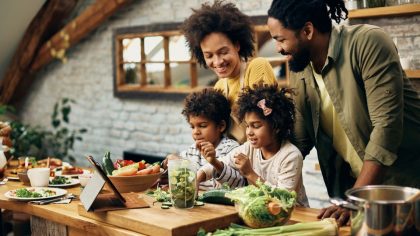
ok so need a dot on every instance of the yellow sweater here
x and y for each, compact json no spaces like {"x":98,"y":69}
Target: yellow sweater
{"x":257,"y":70}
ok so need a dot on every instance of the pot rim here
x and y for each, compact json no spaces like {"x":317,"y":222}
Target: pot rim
{"x":351,"y":191}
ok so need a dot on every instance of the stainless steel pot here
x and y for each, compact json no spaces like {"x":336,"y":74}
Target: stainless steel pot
{"x":383,"y":210}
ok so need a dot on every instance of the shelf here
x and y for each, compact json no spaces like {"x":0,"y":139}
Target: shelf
{"x":413,"y":74}
{"x":400,"y":10}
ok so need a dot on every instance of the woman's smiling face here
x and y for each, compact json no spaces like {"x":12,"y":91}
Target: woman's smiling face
{"x":221,"y":55}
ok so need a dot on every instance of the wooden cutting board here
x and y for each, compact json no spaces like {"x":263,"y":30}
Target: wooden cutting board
{"x":173,"y":221}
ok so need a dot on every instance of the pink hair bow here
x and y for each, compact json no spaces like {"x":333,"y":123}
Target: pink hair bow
{"x":266,"y":110}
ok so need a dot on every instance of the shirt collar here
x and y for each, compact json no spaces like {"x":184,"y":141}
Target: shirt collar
{"x":334,"y":46}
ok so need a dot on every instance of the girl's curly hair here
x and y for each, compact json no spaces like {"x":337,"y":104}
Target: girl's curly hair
{"x":223,"y":18}
{"x":209,"y":103}
{"x":282,"y":116}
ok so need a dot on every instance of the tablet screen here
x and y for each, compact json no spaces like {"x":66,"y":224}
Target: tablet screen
{"x":105,"y":177}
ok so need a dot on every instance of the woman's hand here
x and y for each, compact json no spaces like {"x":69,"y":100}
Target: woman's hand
{"x":342,"y":215}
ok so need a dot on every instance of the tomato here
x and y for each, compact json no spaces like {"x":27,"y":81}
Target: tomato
{"x":144,"y":171}
{"x":121,"y":163}
{"x":142,"y":165}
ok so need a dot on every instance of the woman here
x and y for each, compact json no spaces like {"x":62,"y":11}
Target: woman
{"x":220,"y":37}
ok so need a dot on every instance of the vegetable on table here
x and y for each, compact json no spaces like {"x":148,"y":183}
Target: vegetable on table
{"x":107,"y":164}
{"x":126,"y":170}
{"x":325,"y":227}
{"x":263,"y":206}
{"x":217,"y":196}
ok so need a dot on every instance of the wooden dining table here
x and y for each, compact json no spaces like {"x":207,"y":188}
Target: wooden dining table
{"x":72,"y":219}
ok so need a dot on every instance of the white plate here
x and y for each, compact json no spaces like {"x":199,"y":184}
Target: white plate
{"x":58,"y":173}
{"x":58,"y":193}
{"x":73,"y":182}
{"x":13,"y":177}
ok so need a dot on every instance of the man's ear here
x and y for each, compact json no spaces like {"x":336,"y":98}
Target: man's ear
{"x":308,"y":30}
{"x":222,"y":126}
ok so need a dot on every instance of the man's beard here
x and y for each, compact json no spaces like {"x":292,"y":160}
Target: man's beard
{"x":299,"y":60}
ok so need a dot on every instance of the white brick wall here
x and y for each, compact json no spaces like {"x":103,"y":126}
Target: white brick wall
{"x":155,"y":125}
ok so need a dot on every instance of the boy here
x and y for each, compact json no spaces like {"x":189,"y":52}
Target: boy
{"x":208,"y":113}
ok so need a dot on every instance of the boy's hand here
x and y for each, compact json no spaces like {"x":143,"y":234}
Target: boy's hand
{"x":207,"y":150}
{"x":243,"y":164}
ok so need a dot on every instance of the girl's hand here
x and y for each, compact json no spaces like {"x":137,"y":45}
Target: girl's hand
{"x":207,"y":151}
{"x":243,"y":164}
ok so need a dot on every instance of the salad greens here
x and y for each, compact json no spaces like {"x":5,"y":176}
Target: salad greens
{"x":160,"y":195}
{"x":60,"y":180}
{"x":31,"y":193}
{"x":263,"y":206}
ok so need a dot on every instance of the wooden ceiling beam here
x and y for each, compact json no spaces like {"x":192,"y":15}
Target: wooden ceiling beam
{"x":48,"y":19}
{"x":74,"y":31}
{"x":13,"y":84}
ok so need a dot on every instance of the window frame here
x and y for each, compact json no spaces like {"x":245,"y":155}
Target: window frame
{"x":166,"y":30}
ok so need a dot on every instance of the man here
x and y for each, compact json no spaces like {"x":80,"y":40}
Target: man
{"x":353,"y":100}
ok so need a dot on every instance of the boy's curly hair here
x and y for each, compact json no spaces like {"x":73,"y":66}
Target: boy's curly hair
{"x":223,"y":18}
{"x":282,"y":116}
{"x":209,"y":103}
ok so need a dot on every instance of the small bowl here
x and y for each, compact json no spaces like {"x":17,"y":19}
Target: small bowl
{"x":23,"y":177}
{"x":135,"y":183}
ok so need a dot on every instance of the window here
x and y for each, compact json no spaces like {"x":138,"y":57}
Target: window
{"x":154,"y":60}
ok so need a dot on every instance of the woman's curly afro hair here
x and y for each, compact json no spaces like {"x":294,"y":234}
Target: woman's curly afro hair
{"x":222,"y":18}
{"x":282,"y":116}
{"x":209,"y":103}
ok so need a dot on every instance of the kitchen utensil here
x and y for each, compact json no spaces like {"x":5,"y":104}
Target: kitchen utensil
{"x":383,"y":210}
{"x":135,"y":183}
{"x":182,"y":182}
{"x":48,"y":201}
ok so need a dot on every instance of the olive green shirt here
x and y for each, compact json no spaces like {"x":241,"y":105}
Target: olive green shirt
{"x":377,"y":106}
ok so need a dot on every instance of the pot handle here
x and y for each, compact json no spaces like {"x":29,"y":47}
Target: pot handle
{"x":343,"y":203}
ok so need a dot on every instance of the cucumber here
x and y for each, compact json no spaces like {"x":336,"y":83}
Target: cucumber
{"x":107,"y":164}
{"x":217,"y":196}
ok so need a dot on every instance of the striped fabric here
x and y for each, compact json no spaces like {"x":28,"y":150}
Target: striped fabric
{"x":193,"y":154}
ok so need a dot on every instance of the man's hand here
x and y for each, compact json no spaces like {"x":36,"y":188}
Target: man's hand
{"x":342,"y":215}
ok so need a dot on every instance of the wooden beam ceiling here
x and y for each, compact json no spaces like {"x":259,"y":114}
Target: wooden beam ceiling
{"x":47,"y":20}
{"x":26,"y":63}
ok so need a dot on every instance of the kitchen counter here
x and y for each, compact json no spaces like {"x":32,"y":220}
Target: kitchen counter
{"x":147,"y":221}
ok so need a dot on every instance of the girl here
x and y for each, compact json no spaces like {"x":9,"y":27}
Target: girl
{"x":220,"y":37}
{"x":268,"y":155}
